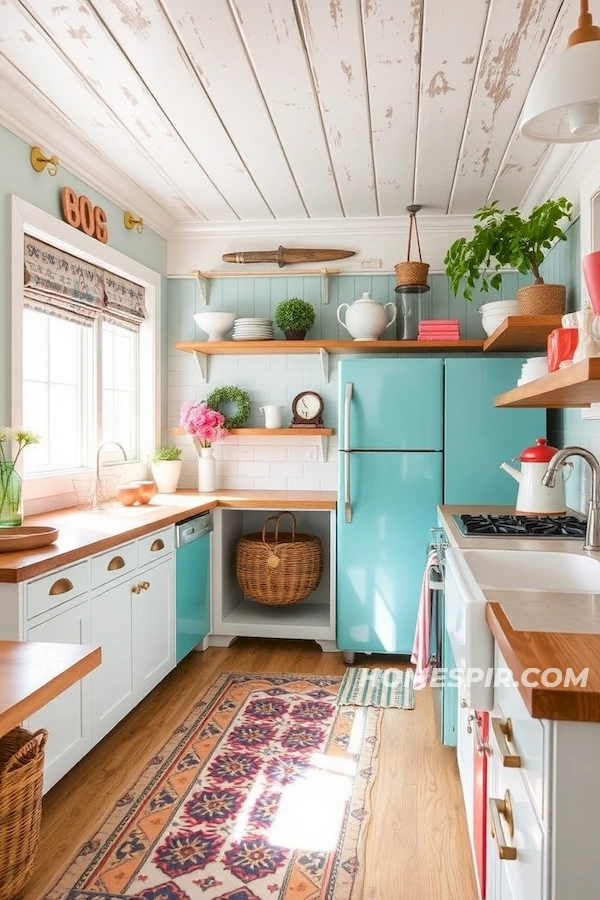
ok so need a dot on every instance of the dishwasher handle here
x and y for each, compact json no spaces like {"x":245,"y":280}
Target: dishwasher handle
{"x":193,"y":529}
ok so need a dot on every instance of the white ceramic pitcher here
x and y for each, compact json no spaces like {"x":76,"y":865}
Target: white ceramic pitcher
{"x":272,"y":415}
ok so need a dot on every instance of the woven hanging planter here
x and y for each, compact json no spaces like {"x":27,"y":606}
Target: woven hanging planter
{"x":542,"y":300}
{"x":411,"y":276}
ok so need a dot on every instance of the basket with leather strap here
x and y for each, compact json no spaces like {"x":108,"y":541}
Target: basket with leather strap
{"x":278,"y":568}
{"x":21,"y":777}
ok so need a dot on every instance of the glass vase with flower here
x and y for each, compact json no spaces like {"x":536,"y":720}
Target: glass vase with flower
{"x":11,"y":486}
{"x":206,"y":427}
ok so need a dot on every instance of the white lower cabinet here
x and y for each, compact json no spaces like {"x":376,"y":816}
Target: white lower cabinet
{"x":543,"y":778}
{"x":123,"y":601}
{"x":68,"y":717}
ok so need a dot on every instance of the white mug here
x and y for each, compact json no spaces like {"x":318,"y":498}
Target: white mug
{"x":272,"y":416}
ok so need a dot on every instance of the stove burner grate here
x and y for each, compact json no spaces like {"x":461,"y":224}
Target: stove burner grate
{"x":521,"y":525}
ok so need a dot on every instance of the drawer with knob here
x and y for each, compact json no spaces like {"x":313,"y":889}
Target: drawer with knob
{"x":113,"y":564}
{"x":57,"y":588}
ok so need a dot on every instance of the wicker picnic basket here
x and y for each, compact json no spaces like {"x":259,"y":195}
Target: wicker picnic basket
{"x":21,"y":776}
{"x":278,"y":568}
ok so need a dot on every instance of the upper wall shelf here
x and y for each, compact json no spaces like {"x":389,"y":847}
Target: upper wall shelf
{"x":203,"y":349}
{"x":575,"y":386}
{"x":527,"y":333}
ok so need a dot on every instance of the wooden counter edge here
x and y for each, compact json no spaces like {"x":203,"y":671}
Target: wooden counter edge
{"x":573,"y":703}
{"x":22,"y":708}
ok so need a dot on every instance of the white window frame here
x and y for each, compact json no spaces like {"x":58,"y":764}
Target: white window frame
{"x":26,"y":218}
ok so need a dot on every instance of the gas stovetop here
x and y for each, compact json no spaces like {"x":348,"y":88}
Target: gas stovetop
{"x":520,"y":526}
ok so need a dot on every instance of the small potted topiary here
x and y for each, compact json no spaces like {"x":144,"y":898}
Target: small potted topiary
{"x":165,"y":463}
{"x":294,"y":317}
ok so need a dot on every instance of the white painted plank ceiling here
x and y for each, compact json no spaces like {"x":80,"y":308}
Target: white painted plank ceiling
{"x":240,"y":111}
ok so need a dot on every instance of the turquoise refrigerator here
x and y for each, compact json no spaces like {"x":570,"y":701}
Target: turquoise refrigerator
{"x":413,"y":433}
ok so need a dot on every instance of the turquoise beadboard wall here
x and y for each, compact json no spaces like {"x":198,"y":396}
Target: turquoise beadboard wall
{"x":247,"y":296}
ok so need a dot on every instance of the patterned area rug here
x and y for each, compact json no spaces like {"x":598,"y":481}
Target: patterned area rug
{"x":261,"y":794}
{"x":387,"y":688}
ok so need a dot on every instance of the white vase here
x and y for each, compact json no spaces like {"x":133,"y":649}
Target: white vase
{"x":166,"y":475}
{"x":207,"y":471}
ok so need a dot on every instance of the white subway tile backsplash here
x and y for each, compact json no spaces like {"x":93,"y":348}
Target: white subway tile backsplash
{"x":254,"y":469}
{"x":287,"y":470}
{"x":271,"y":452}
{"x":238,"y":452}
{"x":271,"y":484}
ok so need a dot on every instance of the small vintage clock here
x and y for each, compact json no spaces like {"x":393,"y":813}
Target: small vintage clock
{"x":307,"y":408}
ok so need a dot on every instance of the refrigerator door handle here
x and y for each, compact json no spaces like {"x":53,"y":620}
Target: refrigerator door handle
{"x":346,"y":454}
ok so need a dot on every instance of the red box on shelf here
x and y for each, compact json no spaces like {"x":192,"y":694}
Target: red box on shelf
{"x":562,"y":343}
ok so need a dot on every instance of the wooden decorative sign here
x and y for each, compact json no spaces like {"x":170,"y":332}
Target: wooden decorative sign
{"x":79,"y":212}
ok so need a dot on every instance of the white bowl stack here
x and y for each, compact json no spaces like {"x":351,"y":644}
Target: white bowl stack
{"x":535,"y":367}
{"x":253,"y":329}
{"x":215,"y":324}
{"x":494,"y":314}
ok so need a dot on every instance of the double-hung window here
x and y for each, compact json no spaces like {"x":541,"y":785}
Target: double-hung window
{"x":88,"y":360}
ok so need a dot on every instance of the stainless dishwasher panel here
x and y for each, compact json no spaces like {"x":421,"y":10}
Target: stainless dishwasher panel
{"x":192,"y":583}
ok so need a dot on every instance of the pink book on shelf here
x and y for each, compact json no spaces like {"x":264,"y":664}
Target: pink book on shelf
{"x":442,"y":336}
{"x":438,"y":323}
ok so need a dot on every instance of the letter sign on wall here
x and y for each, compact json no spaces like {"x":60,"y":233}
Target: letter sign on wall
{"x":79,"y":212}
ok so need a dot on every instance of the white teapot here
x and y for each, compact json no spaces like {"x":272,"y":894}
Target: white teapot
{"x":534,"y":498}
{"x":366,"y":319}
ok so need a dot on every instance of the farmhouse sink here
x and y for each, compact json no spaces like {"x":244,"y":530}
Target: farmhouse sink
{"x":470,"y":572}
{"x":527,"y":570}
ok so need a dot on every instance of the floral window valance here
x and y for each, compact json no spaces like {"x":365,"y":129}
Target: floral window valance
{"x":63,"y":285}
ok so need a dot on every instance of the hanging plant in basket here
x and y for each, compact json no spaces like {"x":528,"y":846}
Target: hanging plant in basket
{"x":231,"y":395}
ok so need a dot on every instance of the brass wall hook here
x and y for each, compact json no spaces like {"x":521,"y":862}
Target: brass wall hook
{"x":132,"y":221}
{"x":39,"y":162}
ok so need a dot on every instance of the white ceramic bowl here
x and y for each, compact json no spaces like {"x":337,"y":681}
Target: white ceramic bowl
{"x":494,"y":314}
{"x":215,"y":324}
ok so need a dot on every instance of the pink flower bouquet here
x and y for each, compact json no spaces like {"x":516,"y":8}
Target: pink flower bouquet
{"x":204,"y":424}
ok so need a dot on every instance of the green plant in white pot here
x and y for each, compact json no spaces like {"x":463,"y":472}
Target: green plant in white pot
{"x":165,"y":464}
{"x":504,"y":239}
{"x":295,"y":317}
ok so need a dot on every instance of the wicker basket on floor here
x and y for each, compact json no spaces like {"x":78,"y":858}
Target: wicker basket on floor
{"x":21,"y":776}
{"x":278,"y":568}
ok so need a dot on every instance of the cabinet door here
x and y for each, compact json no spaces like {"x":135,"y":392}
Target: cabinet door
{"x":153,"y":625}
{"x":67,"y":717}
{"x":112,"y":683}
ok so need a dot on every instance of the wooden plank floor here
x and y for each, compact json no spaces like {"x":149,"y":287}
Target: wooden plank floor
{"x":417,"y":844}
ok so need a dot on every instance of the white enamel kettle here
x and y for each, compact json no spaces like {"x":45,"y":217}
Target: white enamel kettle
{"x":533,"y":497}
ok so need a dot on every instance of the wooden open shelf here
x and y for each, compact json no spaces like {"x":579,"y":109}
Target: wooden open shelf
{"x":323,"y":434}
{"x":522,"y":333}
{"x":575,"y":386}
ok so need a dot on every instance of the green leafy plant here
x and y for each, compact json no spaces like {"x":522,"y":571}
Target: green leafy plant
{"x":294,"y":315}
{"x":229,"y":394}
{"x":503,"y":238}
{"x":166,"y":454}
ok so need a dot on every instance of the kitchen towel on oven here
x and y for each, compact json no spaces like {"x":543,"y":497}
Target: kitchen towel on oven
{"x":421,"y":652}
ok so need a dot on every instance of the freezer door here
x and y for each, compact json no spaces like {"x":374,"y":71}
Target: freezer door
{"x":480,"y":436}
{"x":381,"y":554}
{"x":395,"y":404}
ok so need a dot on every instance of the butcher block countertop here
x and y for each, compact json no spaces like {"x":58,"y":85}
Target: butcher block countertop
{"x":82,"y":534}
{"x":33,"y":673}
{"x":561,"y":632}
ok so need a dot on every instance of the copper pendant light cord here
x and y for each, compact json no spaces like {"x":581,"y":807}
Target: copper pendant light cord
{"x":413,"y":221}
{"x":586,"y":30}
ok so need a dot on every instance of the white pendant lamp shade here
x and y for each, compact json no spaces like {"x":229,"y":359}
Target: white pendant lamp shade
{"x":563,"y":104}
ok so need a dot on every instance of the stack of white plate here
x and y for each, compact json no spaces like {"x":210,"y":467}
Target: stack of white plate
{"x":253,"y":329}
{"x":535,"y":367}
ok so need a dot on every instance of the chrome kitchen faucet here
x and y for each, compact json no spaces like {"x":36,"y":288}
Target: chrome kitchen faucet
{"x":592,"y":532}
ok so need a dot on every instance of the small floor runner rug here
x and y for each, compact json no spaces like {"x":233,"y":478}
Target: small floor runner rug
{"x":261,"y":794}
{"x":389,"y":688}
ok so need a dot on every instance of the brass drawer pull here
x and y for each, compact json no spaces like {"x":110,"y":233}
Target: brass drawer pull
{"x":136,"y":589}
{"x":145,"y":585}
{"x":62,"y":586}
{"x":157,"y":545}
{"x":498,"y":809}
{"x":503,"y":733}
{"x":117,"y":562}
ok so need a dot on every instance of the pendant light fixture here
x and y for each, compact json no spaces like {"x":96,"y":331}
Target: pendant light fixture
{"x":563,"y":104}
{"x":411,"y":276}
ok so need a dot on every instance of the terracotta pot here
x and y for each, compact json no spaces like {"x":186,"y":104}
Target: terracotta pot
{"x":591,"y":273}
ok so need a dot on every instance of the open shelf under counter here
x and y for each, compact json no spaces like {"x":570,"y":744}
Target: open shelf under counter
{"x":202,"y":350}
{"x":575,"y":386}
{"x":526,"y":333}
